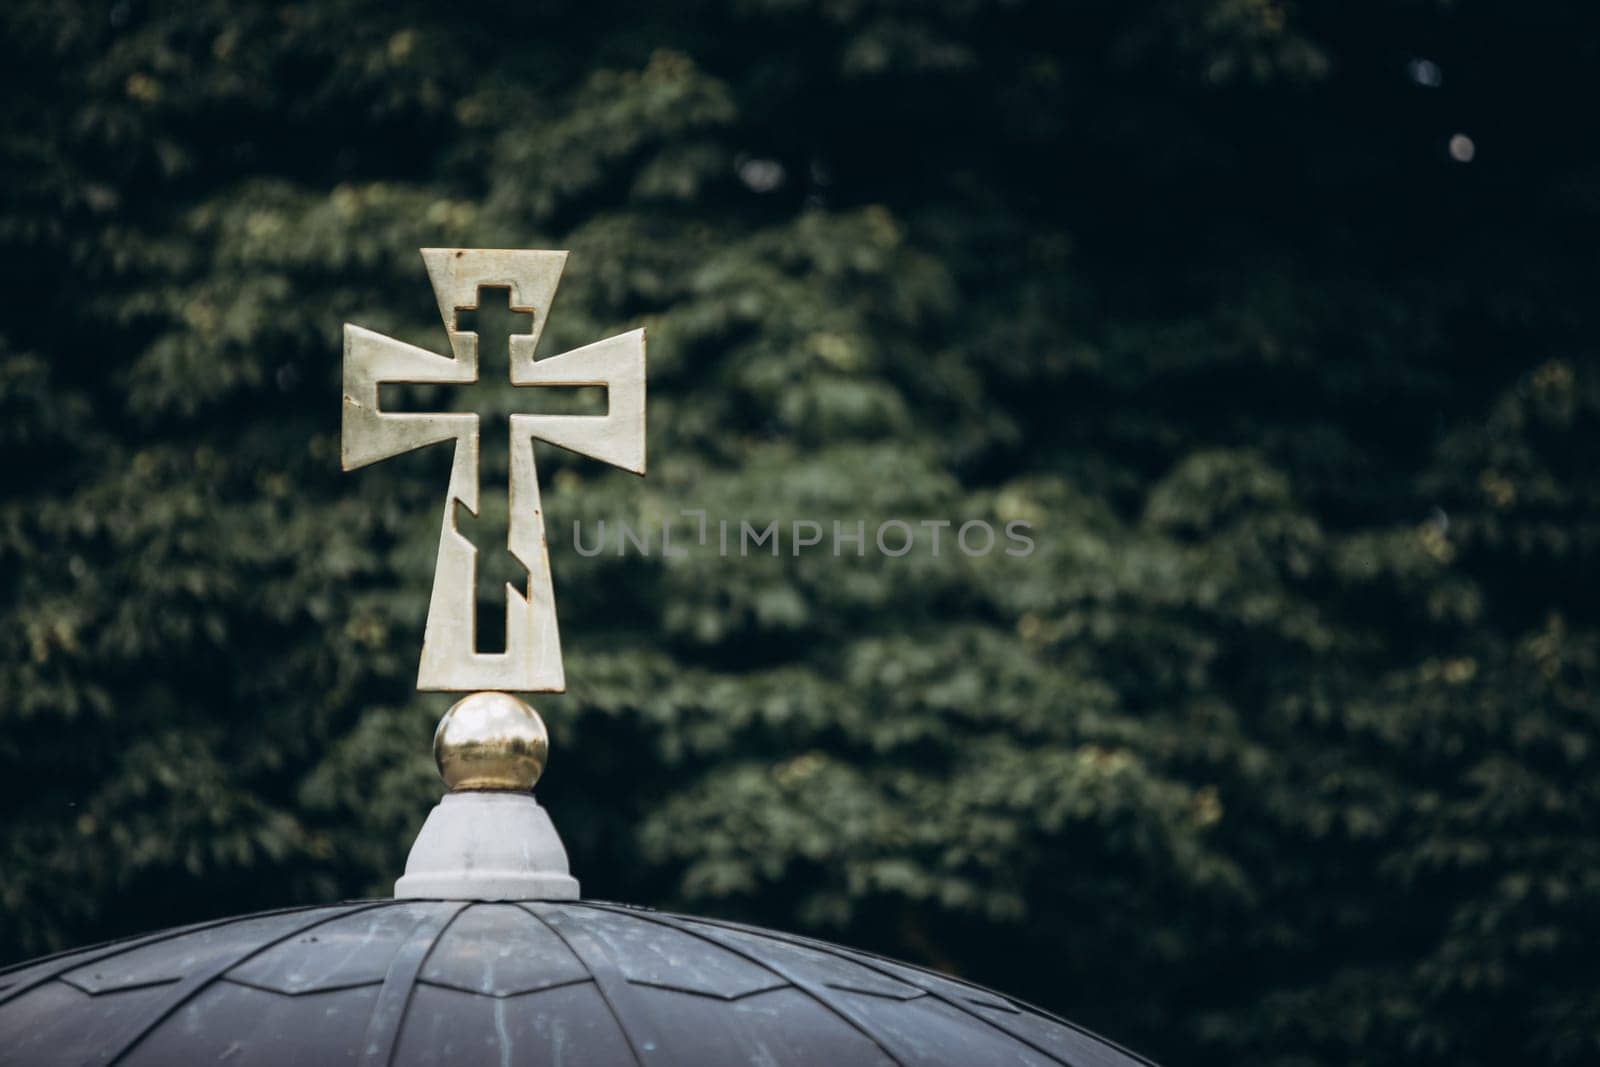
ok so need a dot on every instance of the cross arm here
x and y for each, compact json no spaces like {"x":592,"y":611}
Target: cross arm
{"x":370,"y":434}
{"x":617,"y":437}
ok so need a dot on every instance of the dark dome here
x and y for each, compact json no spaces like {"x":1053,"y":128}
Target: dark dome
{"x":423,"y":981}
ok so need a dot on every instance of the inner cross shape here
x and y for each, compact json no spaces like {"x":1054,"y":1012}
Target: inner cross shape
{"x":494,"y":320}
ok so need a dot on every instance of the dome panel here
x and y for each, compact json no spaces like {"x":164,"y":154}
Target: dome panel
{"x":939,"y":985}
{"x":170,"y":959}
{"x":353,"y":950}
{"x":1065,"y":1042}
{"x":58,"y":1023}
{"x":243,"y":1026}
{"x":660,"y":955}
{"x":929,"y":1031}
{"x":779,"y":1026}
{"x":568,"y":1025}
{"x":15,"y":982}
{"x":500,"y":950}
{"x":803,"y":964}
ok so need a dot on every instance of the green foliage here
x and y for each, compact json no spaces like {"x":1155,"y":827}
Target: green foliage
{"x":1280,"y":747}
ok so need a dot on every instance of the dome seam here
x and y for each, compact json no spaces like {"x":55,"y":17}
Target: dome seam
{"x":394,"y":997}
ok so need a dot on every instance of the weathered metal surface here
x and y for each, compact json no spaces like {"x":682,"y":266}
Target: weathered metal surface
{"x":349,"y":951}
{"x":442,"y":982}
{"x":532,"y":659}
{"x":499,"y":950}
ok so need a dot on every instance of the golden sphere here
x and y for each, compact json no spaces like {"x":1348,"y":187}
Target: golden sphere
{"x":491,"y":741}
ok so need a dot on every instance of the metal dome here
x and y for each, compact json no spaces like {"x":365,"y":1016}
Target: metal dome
{"x":463,"y":983}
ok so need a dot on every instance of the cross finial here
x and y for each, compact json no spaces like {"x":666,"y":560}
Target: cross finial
{"x":451,"y":660}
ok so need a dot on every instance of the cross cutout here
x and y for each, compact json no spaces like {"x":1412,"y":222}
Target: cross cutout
{"x":492,"y":321}
{"x":451,"y":656}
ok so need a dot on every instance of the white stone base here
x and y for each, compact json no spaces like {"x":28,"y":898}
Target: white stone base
{"x":487,"y":846}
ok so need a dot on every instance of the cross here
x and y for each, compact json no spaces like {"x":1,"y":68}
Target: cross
{"x":454,"y":655}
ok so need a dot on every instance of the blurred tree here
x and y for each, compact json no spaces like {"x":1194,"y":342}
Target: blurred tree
{"x":1277,"y":322}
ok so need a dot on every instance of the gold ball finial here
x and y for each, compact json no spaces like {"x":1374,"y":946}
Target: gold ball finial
{"x":491,"y":741}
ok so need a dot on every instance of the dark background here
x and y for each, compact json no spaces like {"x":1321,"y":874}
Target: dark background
{"x":1277,"y":321}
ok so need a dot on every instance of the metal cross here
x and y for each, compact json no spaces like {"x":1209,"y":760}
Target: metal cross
{"x":531,"y":661}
